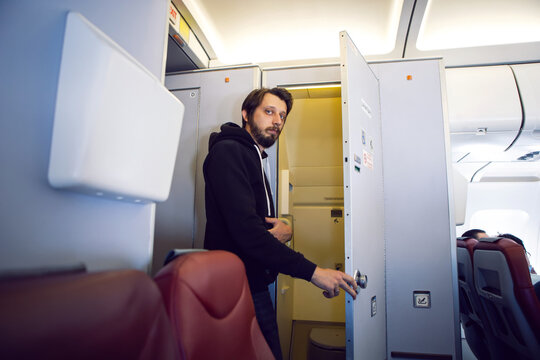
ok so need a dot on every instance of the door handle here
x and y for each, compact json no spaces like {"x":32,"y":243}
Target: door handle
{"x":361,"y":279}
{"x":288,"y":220}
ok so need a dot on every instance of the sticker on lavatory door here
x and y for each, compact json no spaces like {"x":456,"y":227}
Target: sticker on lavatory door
{"x":368,"y":159}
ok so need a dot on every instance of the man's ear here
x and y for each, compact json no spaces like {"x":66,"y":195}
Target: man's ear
{"x":245,"y":118}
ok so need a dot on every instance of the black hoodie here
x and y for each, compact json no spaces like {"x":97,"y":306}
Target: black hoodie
{"x":236,"y":205}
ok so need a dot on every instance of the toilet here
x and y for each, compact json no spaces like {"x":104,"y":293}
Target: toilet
{"x":326,"y":343}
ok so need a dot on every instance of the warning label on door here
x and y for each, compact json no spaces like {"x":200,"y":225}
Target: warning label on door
{"x":368,"y":159}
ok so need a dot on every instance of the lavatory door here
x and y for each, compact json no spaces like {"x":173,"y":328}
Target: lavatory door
{"x":363,"y":204}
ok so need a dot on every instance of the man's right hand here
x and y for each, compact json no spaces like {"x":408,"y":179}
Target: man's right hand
{"x":280,"y":230}
{"x":331,"y":280}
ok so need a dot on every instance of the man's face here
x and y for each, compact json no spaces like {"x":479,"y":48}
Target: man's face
{"x":267,"y":121}
{"x":481,"y":235}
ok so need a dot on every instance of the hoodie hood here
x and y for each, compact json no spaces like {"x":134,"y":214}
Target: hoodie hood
{"x":231,"y":131}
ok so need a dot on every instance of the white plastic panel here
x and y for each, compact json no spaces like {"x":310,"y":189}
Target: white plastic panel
{"x":364,"y":204}
{"x":460,"y":196}
{"x":469,"y":169}
{"x":482,"y":97}
{"x":510,"y":172}
{"x":219,"y":101}
{"x":419,"y":191}
{"x":483,"y":108}
{"x":116,"y":127}
{"x":528,"y":79}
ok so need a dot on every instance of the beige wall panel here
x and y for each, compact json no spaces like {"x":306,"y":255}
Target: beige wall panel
{"x":313,"y":133}
{"x":318,"y":195}
{"x":319,"y":236}
{"x":318,"y":176}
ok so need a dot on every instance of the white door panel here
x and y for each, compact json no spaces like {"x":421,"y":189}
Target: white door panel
{"x":364,"y":203}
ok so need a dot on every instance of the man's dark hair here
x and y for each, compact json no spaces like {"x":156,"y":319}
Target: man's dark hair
{"x":473,"y":233}
{"x":255,"y":98}
{"x":515,"y":238}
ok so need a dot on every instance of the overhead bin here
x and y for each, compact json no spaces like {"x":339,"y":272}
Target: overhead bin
{"x":484,"y":111}
{"x":184,"y":51}
{"x":528,"y":80}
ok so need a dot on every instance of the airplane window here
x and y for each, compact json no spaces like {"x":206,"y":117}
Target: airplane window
{"x":501,"y":221}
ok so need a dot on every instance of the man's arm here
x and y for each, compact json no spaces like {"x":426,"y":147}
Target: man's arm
{"x":228,"y":180}
{"x":280,"y":230}
{"x":331,"y":280}
{"x":227,"y":176}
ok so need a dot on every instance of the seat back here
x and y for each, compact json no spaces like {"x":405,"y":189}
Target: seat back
{"x":208,"y":299}
{"x":505,"y":290}
{"x":469,"y":305}
{"x":105,"y":315}
{"x":473,"y":318}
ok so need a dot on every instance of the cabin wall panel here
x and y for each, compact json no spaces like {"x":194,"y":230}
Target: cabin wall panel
{"x":221,"y":93}
{"x":175,"y":217}
{"x":419,"y":219}
{"x":528,"y":81}
{"x":484,"y":111}
{"x":40,"y":226}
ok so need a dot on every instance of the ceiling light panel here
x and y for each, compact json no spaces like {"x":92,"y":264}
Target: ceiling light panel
{"x":465,"y":23}
{"x":261,"y":31}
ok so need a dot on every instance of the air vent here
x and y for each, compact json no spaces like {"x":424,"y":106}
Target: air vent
{"x":532,"y":156}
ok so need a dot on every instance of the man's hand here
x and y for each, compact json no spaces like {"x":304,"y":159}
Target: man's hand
{"x":331,"y":280}
{"x":280,"y":230}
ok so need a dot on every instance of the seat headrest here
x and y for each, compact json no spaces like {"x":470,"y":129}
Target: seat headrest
{"x":103,"y":315}
{"x":217,"y":279}
{"x":490,"y":239}
{"x":467,"y":243}
{"x":515,"y":257}
{"x":174,"y":253}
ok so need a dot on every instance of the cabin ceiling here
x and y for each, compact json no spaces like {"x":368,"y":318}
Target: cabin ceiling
{"x":464,"y":32}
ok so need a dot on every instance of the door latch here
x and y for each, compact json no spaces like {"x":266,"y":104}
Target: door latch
{"x":361,"y":279}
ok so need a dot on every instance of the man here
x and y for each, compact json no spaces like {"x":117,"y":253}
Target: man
{"x":475,"y":233}
{"x":240,"y":213}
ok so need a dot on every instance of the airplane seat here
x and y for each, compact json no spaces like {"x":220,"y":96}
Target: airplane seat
{"x":207,"y":297}
{"x":468,"y":306}
{"x":472,"y":316}
{"x":507,"y":295}
{"x":78,"y":315}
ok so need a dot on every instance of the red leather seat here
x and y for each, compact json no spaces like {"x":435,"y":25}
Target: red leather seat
{"x":209,"y":302}
{"x":473,"y":318}
{"x":469,"y":303}
{"x":505,"y":289}
{"x":105,"y":315}
{"x":471,"y":313}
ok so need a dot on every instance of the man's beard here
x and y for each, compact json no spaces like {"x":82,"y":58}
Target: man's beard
{"x":265,"y":140}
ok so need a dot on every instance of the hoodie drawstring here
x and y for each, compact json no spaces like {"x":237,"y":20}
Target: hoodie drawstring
{"x":264,"y":181}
